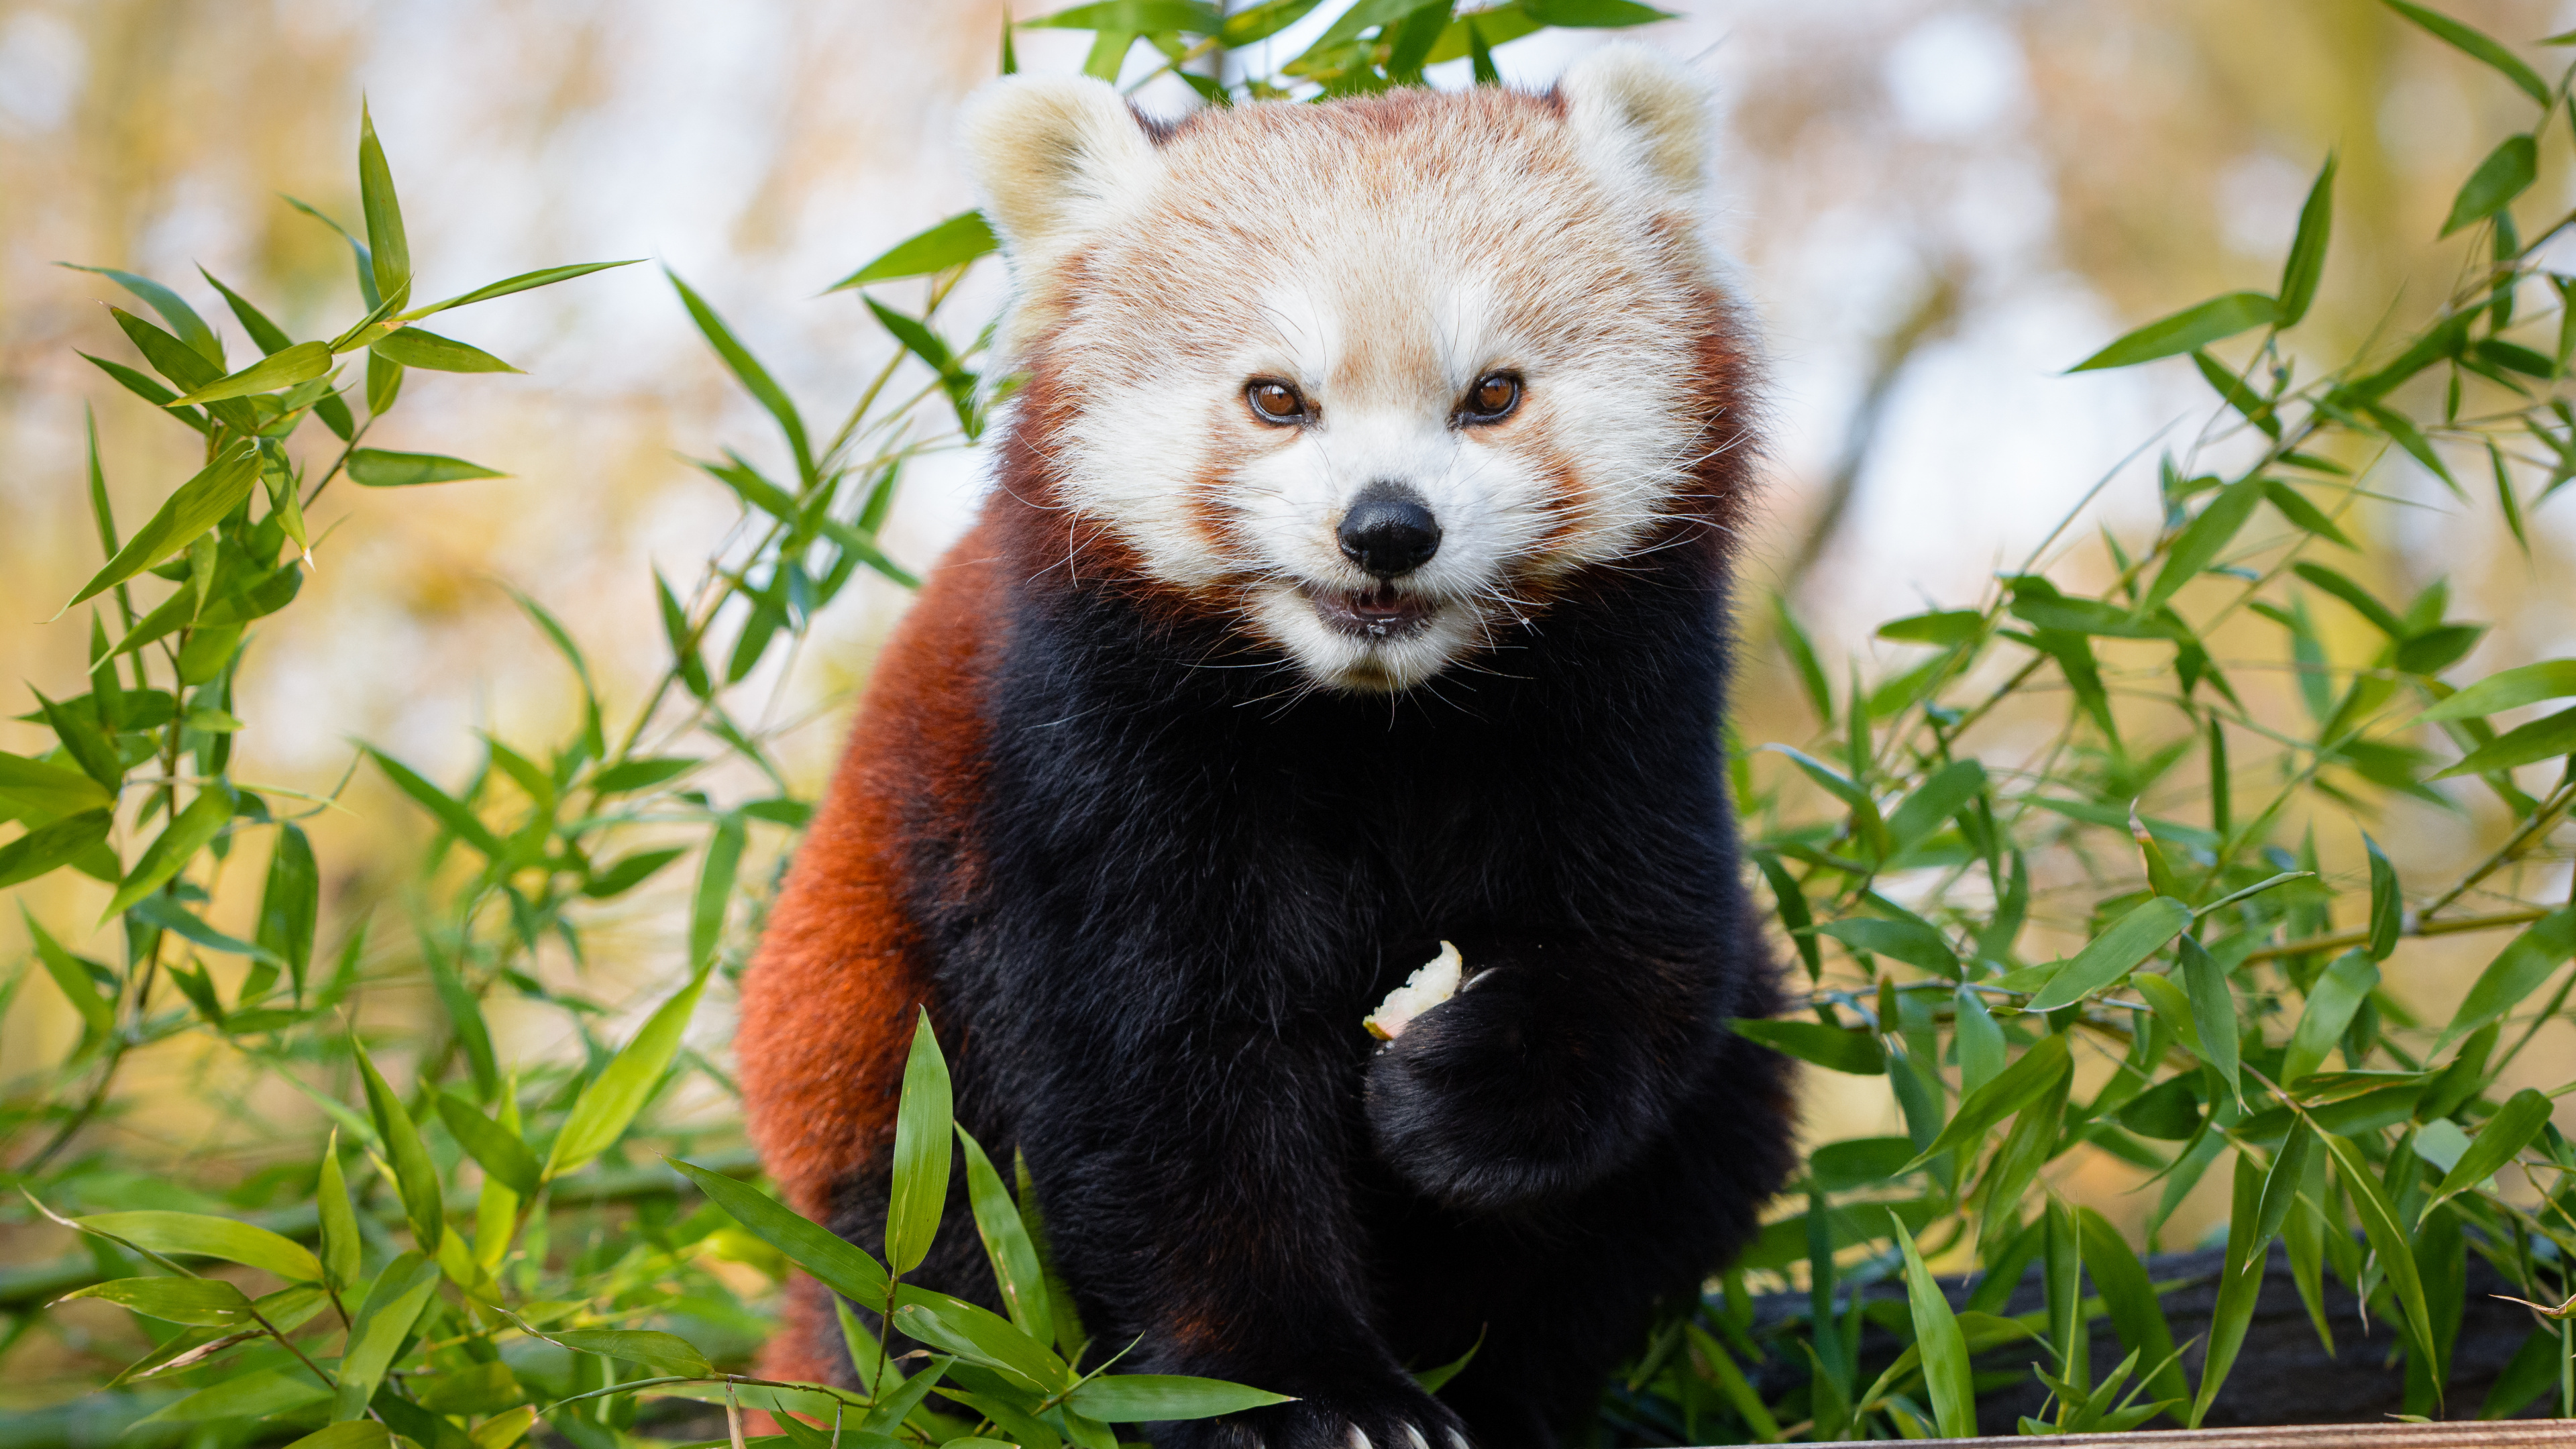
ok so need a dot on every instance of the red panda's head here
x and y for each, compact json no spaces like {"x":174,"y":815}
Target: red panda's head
{"x":1374,"y":377}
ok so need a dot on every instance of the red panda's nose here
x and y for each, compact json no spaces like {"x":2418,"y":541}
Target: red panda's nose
{"x":1388,"y":532}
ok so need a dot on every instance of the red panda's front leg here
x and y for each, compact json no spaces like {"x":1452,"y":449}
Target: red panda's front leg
{"x":1558,"y":1062}
{"x":1196,"y":1187}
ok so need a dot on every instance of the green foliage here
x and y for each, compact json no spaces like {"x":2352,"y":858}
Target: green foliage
{"x":2048,"y":958}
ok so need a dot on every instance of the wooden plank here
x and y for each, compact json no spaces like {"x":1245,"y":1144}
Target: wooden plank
{"x":2499,"y":1434}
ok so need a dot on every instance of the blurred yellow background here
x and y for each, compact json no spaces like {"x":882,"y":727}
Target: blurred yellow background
{"x":1937,"y":207}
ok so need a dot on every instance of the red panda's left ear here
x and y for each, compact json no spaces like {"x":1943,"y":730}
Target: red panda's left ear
{"x":1640,"y":116}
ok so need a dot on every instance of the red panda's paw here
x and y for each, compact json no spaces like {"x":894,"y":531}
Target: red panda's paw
{"x":1393,"y":1419}
{"x":1508,"y":1094}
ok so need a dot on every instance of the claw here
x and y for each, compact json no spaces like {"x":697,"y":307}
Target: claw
{"x":1359,"y":1438}
{"x":1457,"y":1440}
{"x":1415,"y":1435}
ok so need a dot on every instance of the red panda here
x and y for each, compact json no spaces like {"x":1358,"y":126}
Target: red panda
{"x":1352,"y":583}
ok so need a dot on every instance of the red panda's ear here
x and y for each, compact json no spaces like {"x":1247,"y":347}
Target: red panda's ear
{"x":1639,"y":116}
{"x":1055,"y":160}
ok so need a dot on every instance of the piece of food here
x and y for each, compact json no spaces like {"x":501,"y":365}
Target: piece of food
{"x":1435,"y":983}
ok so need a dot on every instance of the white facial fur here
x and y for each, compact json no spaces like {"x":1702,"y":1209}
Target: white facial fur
{"x":1382,"y":256}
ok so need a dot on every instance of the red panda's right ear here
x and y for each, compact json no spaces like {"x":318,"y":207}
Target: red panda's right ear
{"x":1056,"y":159}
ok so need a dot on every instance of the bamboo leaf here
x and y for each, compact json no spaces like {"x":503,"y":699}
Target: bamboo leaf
{"x":2515,"y":1126}
{"x":2389,"y":1240}
{"x":393,"y":1304}
{"x":205,"y":1302}
{"x":2038,"y":1070}
{"x":2477,"y":44}
{"x":195,"y":507}
{"x":960,"y":239}
{"x":2211,"y":321}
{"x":1946,"y":1374}
{"x":284,"y":369}
{"x":380,"y":468}
{"x":388,"y":247}
{"x":1140,"y":1398}
{"x":419,"y":347}
{"x":415,"y":1174}
{"x":601,"y":1114}
{"x":2307,"y":260}
{"x":2528,"y":684}
{"x":834,"y":1262}
{"x":1832,"y":1047}
{"x":524,"y":281}
{"x":921,"y":1152}
{"x":1006,"y":1243}
{"x":497,"y":1148}
{"x":2115,"y":953}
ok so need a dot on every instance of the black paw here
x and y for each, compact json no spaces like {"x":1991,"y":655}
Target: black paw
{"x":1389,"y":1419}
{"x":1499,"y":1097}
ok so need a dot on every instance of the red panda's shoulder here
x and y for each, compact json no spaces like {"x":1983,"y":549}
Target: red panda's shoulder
{"x":827,"y":1006}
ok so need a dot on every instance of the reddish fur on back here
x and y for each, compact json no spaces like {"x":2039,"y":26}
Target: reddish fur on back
{"x":828,"y":1005}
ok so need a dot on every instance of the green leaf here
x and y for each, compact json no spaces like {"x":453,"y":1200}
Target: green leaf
{"x":419,"y":347}
{"x":1944,"y":1348}
{"x":341,"y":1245}
{"x":1260,"y":22}
{"x":2211,"y":321}
{"x":2381,"y":617}
{"x":300,"y":363}
{"x":601,"y":1114}
{"x":2203,"y":540}
{"x":2213,"y":1010}
{"x":1006,"y":1243}
{"x":1141,"y":17}
{"x":715,"y":891}
{"x":755,"y":378}
{"x":1942,"y":628}
{"x":1832,"y":1047}
{"x":2039,"y":1070}
{"x":387,"y":245}
{"x":183,"y":319}
{"x":2304,"y":515}
{"x":2507,"y":172}
{"x":205,"y":1302}
{"x":1911,"y":942}
{"x":384,"y":383}
{"x":2338,"y":994}
{"x":1859,"y":1162}
{"x":524,"y":281}
{"x":1802,"y":657}
{"x":211,"y":1237}
{"x":35,"y":788}
{"x":960,"y":239}
{"x":2115,"y":953}
{"x":290,"y":902}
{"x":2478,"y":45}
{"x":1866,"y":820}
{"x":2239,"y":1285}
{"x":2542,"y":739}
{"x":379,"y":468}
{"x":921,"y":1152}
{"x":629,"y":872}
{"x":393,"y":1304}
{"x":833,"y":1262}
{"x":52,"y":845}
{"x":2307,"y":261}
{"x":980,"y":1337}
{"x":642,"y":773}
{"x":2528,"y":684}
{"x":248,"y":1396}
{"x":2131,"y":1298}
{"x":1592,"y":14}
{"x":270,"y":338}
{"x":666,"y":1353}
{"x":1142,"y":1398}
{"x":2388,"y":1239}
{"x":170,"y":852}
{"x":2514,"y":1127}
{"x":2387,"y":906}
{"x":497,"y":1148}
{"x":97,"y":1011}
{"x":1946,"y":793}
{"x":448,"y":811}
{"x":197,"y":505}
{"x":2517,"y":971}
{"x":415,"y":1175}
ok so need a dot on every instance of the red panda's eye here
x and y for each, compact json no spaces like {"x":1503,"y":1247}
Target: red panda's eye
{"x":1275,"y":402}
{"x":1493,"y":397}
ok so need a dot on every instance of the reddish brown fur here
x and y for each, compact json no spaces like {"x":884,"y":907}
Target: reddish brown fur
{"x":827,"y":1007}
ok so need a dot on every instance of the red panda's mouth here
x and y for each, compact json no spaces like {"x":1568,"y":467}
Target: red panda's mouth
{"x":1378,"y":613}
